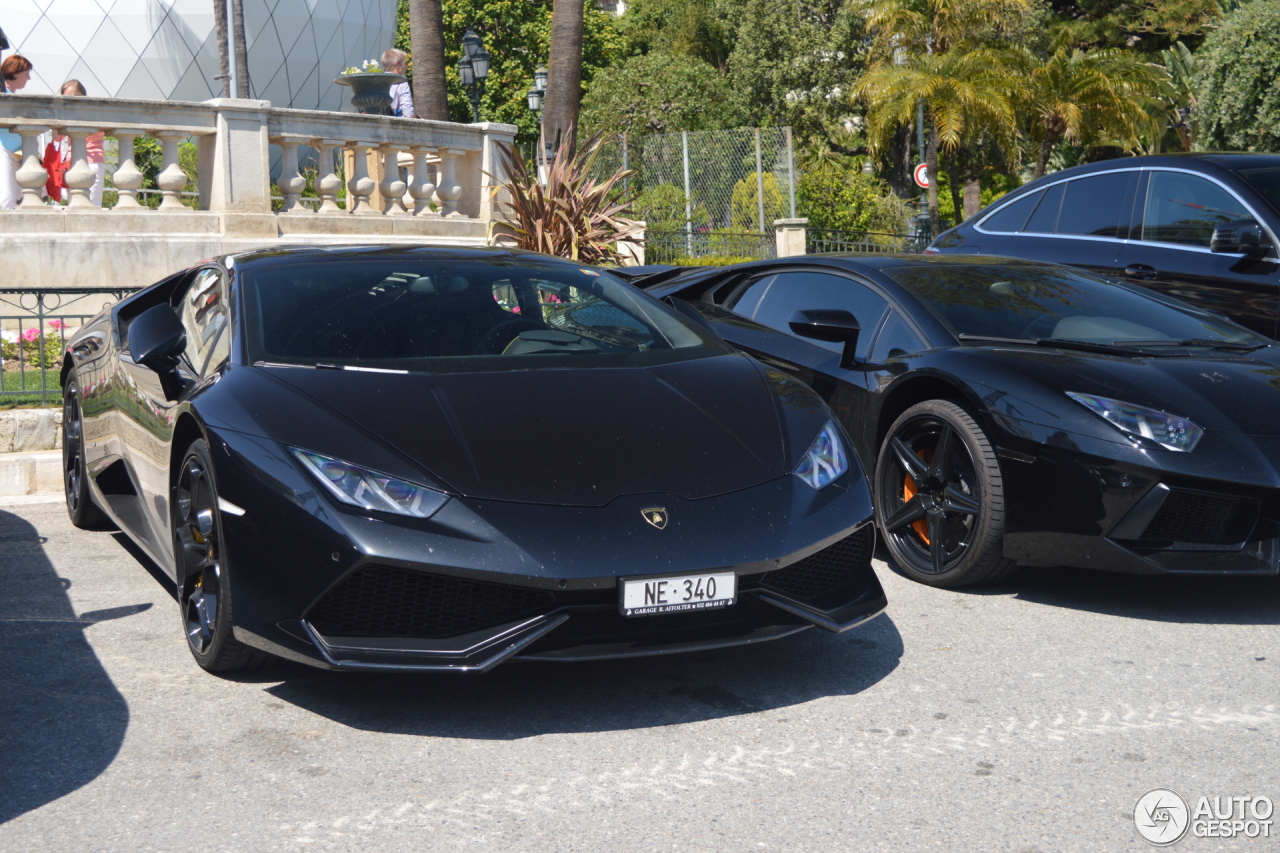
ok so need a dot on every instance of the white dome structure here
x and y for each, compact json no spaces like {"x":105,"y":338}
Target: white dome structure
{"x":168,"y":50}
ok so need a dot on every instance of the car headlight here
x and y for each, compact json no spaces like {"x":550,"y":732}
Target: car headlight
{"x":361,"y":487}
{"x":1168,"y":431}
{"x":825,"y":462}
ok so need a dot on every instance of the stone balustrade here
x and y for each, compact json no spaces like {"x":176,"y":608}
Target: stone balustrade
{"x":447,"y":198}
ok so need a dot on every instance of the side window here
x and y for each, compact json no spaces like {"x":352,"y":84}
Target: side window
{"x":796,"y":291}
{"x":1011,"y":217}
{"x":1184,"y":209}
{"x":747,"y":300}
{"x":1045,"y":219}
{"x":203,"y":309}
{"x":1098,"y":206}
{"x":895,"y":339}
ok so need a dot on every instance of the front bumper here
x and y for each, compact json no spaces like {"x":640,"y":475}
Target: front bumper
{"x":484,"y":582}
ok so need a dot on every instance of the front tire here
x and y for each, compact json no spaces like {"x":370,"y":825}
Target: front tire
{"x":204,"y":594}
{"x":84,"y":513}
{"x":940,"y":500}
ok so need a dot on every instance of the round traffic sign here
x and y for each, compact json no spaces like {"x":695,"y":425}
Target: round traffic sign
{"x":921,"y":175}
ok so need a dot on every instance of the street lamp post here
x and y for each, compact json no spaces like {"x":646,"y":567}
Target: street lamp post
{"x":536,"y":96}
{"x":473,"y":68}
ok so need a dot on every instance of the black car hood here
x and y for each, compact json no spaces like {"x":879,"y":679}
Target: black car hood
{"x":576,"y":437}
{"x":1230,"y":393}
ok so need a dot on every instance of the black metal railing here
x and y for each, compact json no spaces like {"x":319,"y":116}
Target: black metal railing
{"x":35,"y":323}
{"x":692,"y":247}
{"x":821,"y":240}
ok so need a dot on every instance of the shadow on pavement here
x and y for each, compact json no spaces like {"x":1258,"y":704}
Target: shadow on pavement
{"x":1224,"y":600}
{"x":62,"y":721}
{"x":520,"y":700}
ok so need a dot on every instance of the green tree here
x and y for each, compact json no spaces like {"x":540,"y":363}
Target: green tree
{"x":662,"y":208}
{"x":1098,"y":98}
{"x":656,"y":93}
{"x":1239,"y":103}
{"x":744,"y":203}
{"x":835,"y":193}
{"x":699,"y":29}
{"x":1147,"y":26}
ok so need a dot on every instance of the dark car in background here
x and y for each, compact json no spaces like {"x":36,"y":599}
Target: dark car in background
{"x":1020,"y":413}
{"x":409,"y":458}
{"x":1200,"y":227}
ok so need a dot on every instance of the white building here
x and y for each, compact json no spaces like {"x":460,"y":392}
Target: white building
{"x":167,"y":49}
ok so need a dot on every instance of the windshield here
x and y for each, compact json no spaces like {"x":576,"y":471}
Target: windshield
{"x":457,"y":315}
{"x":1266,"y":181}
{"x":1048,"y":303}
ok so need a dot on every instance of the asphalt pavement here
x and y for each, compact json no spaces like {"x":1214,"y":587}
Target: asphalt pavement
{"x":1029,"y":716}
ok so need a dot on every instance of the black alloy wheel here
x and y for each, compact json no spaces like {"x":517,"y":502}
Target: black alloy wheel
{"x":204,"y":595}
{"x":84,"y":513}
{"x":940,"y":497}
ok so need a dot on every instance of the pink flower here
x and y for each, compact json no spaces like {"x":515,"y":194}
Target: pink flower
{"x":55,"y":324}
{"x":30,"y":335}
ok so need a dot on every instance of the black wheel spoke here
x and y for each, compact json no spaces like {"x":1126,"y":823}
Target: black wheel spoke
{"x":954,"y":500}
{"x":912,"y":464}
{"x":941,"y":467}
{"x":937,"y":539}
{"x":912,"y":510}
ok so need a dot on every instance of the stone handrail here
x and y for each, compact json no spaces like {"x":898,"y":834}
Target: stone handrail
{"x":451,"y":163}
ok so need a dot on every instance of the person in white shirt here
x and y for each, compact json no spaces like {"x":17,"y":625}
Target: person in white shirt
{"x":397,"y":62}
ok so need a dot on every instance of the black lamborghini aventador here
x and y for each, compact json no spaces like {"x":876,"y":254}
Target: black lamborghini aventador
{"x":1023,"y":413}
{"x":421,"y":458}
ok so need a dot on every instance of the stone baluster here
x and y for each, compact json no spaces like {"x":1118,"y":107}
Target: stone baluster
{"x":329,"y":183}
{"x":127,"y":178}
{"x":392,"y":188}
{"x":360,"y":185}
{"x":31,"y":174}
{"x":291,"y":182}
{"x":420,"y":187}
{"x":447,"y":191}
{"x":172,"y":180}
{"x":79,"y":178}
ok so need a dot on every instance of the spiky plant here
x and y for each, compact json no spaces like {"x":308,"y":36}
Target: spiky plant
{"x":574,"y":216}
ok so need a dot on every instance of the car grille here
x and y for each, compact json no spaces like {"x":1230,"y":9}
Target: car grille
{"x":1193,"y":517}
{"x":825,"y":570}
{"x":381,"y":601}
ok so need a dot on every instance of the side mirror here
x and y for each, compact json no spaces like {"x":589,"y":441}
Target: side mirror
{"x":835,"y":325}
{"x":157,"y":338}
{"x":1241,"y":236}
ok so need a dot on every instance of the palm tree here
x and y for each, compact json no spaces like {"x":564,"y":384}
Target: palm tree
{"x":242,"y":49}
{"x":905,"y":28}
{"x":426,"y":38}
{"x":564,"y":76}
{"x":1102,"y":97}
{"x":966,"y":95}
{"x":224,"y":59}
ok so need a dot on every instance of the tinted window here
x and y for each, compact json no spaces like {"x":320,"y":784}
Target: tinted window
{"x":1006,"y":301}
{"x":1045,"y":219}
{"x":796,"y":291}
{"x":450,"y":315}
{"x":745,"y":301}
{"x":895,"y":339}
{"x":1011,"y":217}
{"x":1184,"y":209}
{"x":1098,"y":206}
{"x":1266,"y":182}
{"x":203,"y":309}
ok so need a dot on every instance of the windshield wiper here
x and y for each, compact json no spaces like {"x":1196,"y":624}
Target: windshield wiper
{"x":1059,"y":343}
{"x":1233,"y":346}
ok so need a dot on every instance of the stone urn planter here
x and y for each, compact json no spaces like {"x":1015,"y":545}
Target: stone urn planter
{"x":370,"y":90}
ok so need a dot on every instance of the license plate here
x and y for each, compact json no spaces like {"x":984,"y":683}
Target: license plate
{"x":673,"y":594}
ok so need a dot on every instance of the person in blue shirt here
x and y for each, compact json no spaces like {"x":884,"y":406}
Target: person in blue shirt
{"x":397,"y":62}
{"x":17,"y":71}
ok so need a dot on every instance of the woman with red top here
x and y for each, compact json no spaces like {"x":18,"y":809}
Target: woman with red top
{"x":60,"y":149}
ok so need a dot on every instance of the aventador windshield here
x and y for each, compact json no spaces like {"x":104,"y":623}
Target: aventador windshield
{"x":458,"y":315}
{"x":1047,"y":304}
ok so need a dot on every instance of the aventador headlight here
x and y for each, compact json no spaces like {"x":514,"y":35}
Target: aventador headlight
{"x":361,"y":487}
{"x":825,"y":462}
{"x":1168,"y":431}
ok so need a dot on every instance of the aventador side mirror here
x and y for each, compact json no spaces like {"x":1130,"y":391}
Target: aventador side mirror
{"x":835,"y":325}
{"x":1241,"y":236}
{"x":157,"y":338}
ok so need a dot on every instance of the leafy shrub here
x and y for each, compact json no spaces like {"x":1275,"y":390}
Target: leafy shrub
{"x":835,"y":193}
{"x":744,"y":210}
{"x":712,"y":261}
{"x":661,"y":208}
{"x":1236,"y":69}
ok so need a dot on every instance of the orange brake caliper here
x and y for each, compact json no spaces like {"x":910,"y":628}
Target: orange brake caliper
{"x":909,"y":489}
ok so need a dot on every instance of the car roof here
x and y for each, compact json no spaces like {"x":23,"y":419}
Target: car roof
{"x":391,"y":251}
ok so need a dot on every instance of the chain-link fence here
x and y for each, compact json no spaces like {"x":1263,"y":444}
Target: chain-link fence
{"x":722,"y":189}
